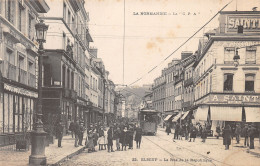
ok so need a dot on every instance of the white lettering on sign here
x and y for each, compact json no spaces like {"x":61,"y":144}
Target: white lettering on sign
{"x":247,"y":23}
{"x":20,"y":91}
{"x":235,"y":98}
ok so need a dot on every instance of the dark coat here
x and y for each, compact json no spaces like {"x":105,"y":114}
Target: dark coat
{"x":245,"y":132}
{"x":123,"y":139}
{"x":71,"y":127}
{"x":59,"y":131}
{"x":204,"y":133}
{"x":76,"y":129}
{"x":117,"y":134}
{"x":227,"y":134}
{"x":110,"y":134}
{"x":252,"y":132}
{"x":168,"y":129}
{"x":138,"y":134}
{"x":193,"y":132}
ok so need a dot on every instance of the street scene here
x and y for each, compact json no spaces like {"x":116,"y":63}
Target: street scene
{"x":129,"y":82}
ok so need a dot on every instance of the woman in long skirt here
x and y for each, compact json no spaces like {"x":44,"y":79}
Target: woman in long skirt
{"x":90,"y":144}
{"x":103,"y":140}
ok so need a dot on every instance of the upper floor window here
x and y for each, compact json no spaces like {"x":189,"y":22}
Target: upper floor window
{"x":229,"y":55}
{"x":228,"y":82}
{"x":10,"y":10}
{"x":250,"y":55}
{"x":64,"y":11}
{"x":30,"y":18}
{"x":249,"y":82}
{"x":21,"y":8}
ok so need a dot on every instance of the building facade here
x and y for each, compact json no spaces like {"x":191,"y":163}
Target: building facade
{"x":64,"y":97}
{"x":226,"y":91}
{"x":18,"y":67}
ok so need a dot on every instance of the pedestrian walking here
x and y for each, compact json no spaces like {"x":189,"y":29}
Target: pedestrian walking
{"x":238,"y":133}
{"x":123,"y":139}
{"x":251,"y":134}
{"x":218,"y":131}
{"x":186,"y":131}
{"x":168,"y":129}
{"x":89,"y":142}
{"x":71,"y":128}
{"x":204,"y":134}
{"x":130,"y":137}
{"x":116,"y":137}
{"x":95,"y":138}
{"x":245,"y":134}
{"x":138,"y":136}
{"x":193,"y":133}
{"x":110,"y":135}
{"x":81,"y":133}
{"x":176,"y":132}
{"x":227,"y":135}
{"x":77,"y":133}
{"x":59,"y":133}
{"x":100,"y":136}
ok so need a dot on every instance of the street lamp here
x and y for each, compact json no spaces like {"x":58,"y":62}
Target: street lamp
{"x":236,"y":58}
{"x":37,"y":156}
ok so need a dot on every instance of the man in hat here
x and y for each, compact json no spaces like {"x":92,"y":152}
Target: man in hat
{"x":81,"y":133}
{"x":237,"y":133}
{"x":59,"y":133}
{"x":110,"y":136}
{"x":245,"y":134}
{"x":251,"y":134}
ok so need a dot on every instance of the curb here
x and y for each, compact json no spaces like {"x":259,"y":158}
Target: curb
{"x":66,"y":157}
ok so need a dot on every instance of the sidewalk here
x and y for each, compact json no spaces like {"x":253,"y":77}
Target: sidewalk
{"x":53,"y":154}
{"x":219,"y":143}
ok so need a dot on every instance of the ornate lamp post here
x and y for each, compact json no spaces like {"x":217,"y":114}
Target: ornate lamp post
{"x":236,"y":58}
{"x":37,"y":156}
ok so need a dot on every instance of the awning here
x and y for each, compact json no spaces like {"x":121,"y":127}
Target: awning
{"x":202,"y":113}
{"x":177,"y":117}
{"x":252,"y":114}
{"x":185,"y":115}
{"x":226,"y":113}
{"x":167,"y":117}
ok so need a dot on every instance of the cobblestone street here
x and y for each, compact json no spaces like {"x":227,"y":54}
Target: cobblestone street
{"x":161,"y":150}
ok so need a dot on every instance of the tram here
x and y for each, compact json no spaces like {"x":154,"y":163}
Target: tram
{"x":148,"y":121}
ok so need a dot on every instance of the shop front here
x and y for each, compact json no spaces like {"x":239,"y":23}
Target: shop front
{"x":18,"y":106}
{"x":221,"y":109}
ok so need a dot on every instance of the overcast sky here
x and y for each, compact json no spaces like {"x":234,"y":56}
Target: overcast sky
{"x":149,"y":39}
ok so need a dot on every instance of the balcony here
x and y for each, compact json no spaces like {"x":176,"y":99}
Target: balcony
{"x":22,"y":77}
{"x":32,"y":80}
{"x":11,"y":73}
{"x":188,"y":82}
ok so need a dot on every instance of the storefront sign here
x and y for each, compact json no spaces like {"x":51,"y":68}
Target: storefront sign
{"x":20,"y":91}
{"x":248,"y":99}
{"x":249,"y":23}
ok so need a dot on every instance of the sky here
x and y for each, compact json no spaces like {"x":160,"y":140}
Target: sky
{"x":149,"y":39}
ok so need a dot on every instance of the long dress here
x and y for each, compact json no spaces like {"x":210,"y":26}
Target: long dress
{"x":90,"y":143}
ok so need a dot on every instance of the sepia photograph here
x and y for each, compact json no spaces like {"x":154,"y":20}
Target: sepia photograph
{"x":129,"y":82}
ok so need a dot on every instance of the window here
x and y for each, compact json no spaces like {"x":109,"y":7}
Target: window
{"x":228,"y":82}
{"x":30,"y":26}
{"x":10,"y":11}
{"x":20,"y":18}
{"x":249,"y":82}
{"x":64,"y":11}
{"x":229,"y":55}
{"x":250,"y":55}
{"x":68,"y":22}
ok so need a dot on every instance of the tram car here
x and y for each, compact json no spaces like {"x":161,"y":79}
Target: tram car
{"x":148,"y":121}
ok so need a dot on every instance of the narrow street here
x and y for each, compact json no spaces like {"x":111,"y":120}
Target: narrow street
{"x":161,"y":150}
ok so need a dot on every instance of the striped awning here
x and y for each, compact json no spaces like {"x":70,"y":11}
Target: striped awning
{"x":177,"y":117}
{"x":252,"y":114}
{"x":185,"y":115}
{"x":226,"y":113}
{"x":202,"y":113}
{"x":167,"y":117}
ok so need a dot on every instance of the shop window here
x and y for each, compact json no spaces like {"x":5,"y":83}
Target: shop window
{"x":228,"y":82}
{"x":229,"y":55}
{"x":249,"y":82}
{"x":250,"y":55}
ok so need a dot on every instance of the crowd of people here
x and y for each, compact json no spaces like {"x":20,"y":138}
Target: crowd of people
{"x":190,"y":131}
{"x":104,"y":137}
